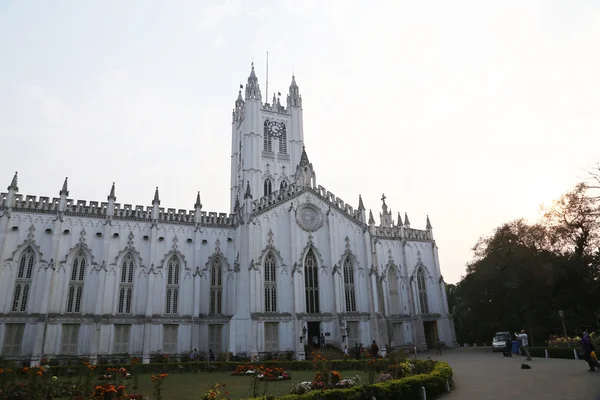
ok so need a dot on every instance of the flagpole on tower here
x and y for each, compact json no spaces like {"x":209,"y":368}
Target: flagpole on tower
{"x":267,"y":86}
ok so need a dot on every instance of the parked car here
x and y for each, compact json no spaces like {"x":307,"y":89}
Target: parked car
{"x":502,"y":342}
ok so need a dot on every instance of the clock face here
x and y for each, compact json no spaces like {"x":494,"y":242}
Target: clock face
{"x":275,"y":128}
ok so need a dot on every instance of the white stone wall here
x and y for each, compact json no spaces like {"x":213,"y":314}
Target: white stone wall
{"x":242,"y":250}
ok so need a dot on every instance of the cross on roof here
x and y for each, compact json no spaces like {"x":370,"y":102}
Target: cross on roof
{"x":383,"y":198}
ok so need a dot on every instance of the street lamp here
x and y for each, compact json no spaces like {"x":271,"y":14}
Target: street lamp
{"x":561,"y":314}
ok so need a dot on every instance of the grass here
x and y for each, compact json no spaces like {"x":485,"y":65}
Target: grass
{"x":192,"y":386}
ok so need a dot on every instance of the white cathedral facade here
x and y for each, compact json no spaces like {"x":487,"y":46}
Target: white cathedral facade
{"x":288,"y":262}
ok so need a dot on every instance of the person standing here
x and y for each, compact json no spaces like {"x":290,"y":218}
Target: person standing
{"x":374,"y":349}
{"x":524,"y":343}
{"x":438,"y":347}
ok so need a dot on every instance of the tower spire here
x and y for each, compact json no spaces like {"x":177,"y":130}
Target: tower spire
{"x":252,"y":87}
{"x":371,"y":219}
{"x":294,"y":98}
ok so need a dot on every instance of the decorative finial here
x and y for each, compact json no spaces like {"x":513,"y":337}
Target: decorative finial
{"x":428,"y":226}
{"x":371,"y":219}
{"x":399,"y":219}
{"x":406,"y":221}
{"x":361,"y":206}
{"x":304,"y":157}
{"x":248,"y":194}
{"x":198,"y":204}
{"x":64,"y":191}
{"x":13,"y":184}
{"x":156,"y":199}
{"x":112,"y":196}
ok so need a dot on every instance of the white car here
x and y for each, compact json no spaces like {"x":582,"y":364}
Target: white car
{"x":502,"y":342}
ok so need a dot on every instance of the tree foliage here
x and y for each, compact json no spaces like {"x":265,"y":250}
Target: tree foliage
{"x":523,"y":274}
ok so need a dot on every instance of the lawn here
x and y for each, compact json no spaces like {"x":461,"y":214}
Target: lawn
{"x":192,"y":386}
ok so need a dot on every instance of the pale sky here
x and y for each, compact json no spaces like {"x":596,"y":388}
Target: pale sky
{"x":473,"y":112}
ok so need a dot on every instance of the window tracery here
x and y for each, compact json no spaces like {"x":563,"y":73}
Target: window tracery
{"x":216,"y":287}
{"x":173,"y":267}
{"x":270,"y":284}
{"x":349,"y":287}
{"x":23,"y":281}
{"x":311,"y":283}
{"x":76,"y":282}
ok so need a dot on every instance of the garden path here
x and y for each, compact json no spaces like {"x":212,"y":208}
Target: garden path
{"x":481,"y":374}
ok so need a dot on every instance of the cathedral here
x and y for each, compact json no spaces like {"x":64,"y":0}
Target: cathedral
{"x":289,"y":263}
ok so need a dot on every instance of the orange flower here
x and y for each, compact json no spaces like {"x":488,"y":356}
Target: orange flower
{"x":39,"y":373}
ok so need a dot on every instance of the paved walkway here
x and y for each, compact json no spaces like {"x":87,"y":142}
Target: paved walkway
{"x":480,"y":374}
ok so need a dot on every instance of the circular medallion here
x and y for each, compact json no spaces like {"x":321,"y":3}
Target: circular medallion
{"x":309,"y":217}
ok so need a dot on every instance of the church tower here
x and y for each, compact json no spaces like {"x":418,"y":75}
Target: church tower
{"x":266,"y":141}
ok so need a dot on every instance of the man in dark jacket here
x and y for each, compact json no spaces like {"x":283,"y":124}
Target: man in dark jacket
{"x":586,"y":349}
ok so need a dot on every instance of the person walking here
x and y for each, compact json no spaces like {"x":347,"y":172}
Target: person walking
{"x":438,"y":347}
{"x":587,"y":348}
{"x":524,"y":343}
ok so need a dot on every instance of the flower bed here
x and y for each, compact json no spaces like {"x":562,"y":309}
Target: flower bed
{"x":271,"y":373}
{"x":406,"y":388}
{"x":205,"y":366}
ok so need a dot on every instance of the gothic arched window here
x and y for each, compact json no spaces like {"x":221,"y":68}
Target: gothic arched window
{"x":75,"y":293}
{"x":23,"y":282}
{"x":267,"y":139}
{"x":268,"y":187}
{"x":311,"y":283}
{"x":282,"y":186}
{"x":216,"y":287}
{"x":270,"y":284}
{"x":126,"y":285}
{"x":422,"y":291}
{"x":349,"y":289}
{"x":173,"y":267}
{"x":393,"y":291}
{"x":283,"y":141}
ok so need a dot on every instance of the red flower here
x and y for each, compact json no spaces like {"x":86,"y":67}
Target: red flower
{"x":226,"y":392}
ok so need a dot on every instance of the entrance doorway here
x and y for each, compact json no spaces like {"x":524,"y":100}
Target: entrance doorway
{"x":431,"y":333}
{"x":314,"y":331}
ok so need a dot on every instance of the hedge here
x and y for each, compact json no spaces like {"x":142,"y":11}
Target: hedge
{"x":553,"y":352}
{"x":408,"y":388}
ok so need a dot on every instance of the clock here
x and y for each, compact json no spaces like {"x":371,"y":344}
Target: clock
{"x":275,"y":128}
